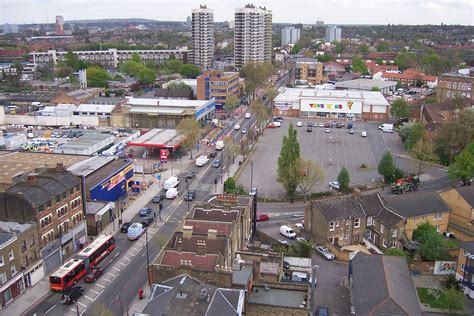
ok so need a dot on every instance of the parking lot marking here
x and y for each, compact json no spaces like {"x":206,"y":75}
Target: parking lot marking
{"x":111,"y":274}
{"x":116,"y":269}
{"x":124,"y":264}
{"x":98,"y":293}
{"x":137,"y":250}
{"x":73,"y":309}
{"x":107,"y":279}
{"x":89,"y":298}
{"x":98,"y":284}
{"x":127,"y":258}
{"x":82,"y":304}
{"x":50,"y":309}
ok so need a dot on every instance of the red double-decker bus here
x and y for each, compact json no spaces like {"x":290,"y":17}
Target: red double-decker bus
{"x":97,"y":250}
{"x":67,"y":275}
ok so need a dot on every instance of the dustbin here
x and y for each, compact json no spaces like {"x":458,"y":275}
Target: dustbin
{"x":140,"y":293}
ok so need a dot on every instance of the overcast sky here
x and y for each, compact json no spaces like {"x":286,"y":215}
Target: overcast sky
{"x":291,"y":11}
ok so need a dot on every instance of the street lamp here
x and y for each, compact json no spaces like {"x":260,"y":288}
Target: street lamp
{"x":313,"y":288}
{"x":77,"y":310}
{"x":187,"y":189}
{"x":147,"y":259}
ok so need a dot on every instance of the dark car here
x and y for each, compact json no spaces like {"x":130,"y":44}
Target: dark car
{"x":190,"y":195}
{"x":322,"y":311}
{"x":93,"y":275}
{"x":71,"y":295}
{"x":212,"y":154}
{"x":125,"y":227}
{"x":145,"y":211}
{"x":338,"y":125}
{"x":147,"y":221}
{"x":190,"y":175}
{"x":216,"y":163}
{"x":286,"y":265}
{"x":158,"y":198}
{"x":278,"y":119}
{"x":327,"y":125}
{"x":309,"y":129}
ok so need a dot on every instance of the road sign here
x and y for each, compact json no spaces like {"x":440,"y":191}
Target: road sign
{"x":158,"y":177}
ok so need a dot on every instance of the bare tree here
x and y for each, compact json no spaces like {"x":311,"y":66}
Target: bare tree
{"x":423,"y":151}
{"x":190,"y":131}
{"x":310,"y":175}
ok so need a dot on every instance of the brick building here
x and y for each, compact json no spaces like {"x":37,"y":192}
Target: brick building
{"x":219,"y":85}
{"x":309,"y":70}
{"x":458,"y":84}
{"x":461,"y":219}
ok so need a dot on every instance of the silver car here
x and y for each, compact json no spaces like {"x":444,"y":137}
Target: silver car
{"x":324,"y":251}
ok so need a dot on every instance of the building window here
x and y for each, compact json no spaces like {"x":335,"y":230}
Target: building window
{"x":331,"y":226}
{"x":462,"y":267}
{"x":437,"y":228}
{"x":449,"y":84}
{"x":356,"y":222}
{"x":1,"y":261}
{"x":23,"y":246}
{"x":58,"y":198}
{"x":381,"y":228}
{"x":438,"y":216}
{"x":13,"y":270}
{"x":394,"y":233}
{"x":32,"y":240}
{"x":369,"y":221}
{"x":11,"y":256}
{"x":384,"y":243}
{"x":393,"y":244}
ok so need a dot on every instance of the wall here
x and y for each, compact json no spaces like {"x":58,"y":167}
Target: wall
{"x":49,"y":120}
{"x":413,"y":222}
{"x":460,"y":215}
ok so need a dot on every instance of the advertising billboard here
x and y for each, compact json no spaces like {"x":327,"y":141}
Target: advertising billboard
{"x":445,"y":267}
{"x":331,"y":106}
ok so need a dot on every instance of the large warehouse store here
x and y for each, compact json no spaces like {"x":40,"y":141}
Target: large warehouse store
{"x":348,"y":104}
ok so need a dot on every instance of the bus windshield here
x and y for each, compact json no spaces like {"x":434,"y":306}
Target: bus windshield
{"x":55,"y":280}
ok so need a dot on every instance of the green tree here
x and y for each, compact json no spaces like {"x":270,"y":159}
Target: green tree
{"x":255,"y":75}
{"x":189,"y":71}
{"x":302,"y":249}
{"x":131,"y":68}
{"x":136,"y":58}
{"x":271,"y":93}
{"x":63,"y":72}
{"x":230,"y":186}
{"x":146,"y":76}
{"x":423,"y":232}
{"x":431,"y":243}
{"x":395,"y":252}
{"x":72,"y":60}
{"x":386,"y":167}
{"x":381,"y":47}
{"x":296,"y":48}
{"x":423,"y":151}
{"x":406,"y":60}
{"x":177,"y":85}
{"x":340,"y":47}
{"x":375,"y":89}
{"x":324,"y":58}
{"x":400,"y":109}
{"x":311,"y":174}
{"x":411,"y":133}
{"x":343,"y":178}
{"x":262,"y":113}
{"x":463,"y":166}
{"x":288,"y":173}
{"x":454,"y":300}
{"x":97,"y":77}
{"x":435,"y":64}
{"x":190,"y":131}
{"x":231,"y":104}
{"x":358,"y":65}
{"x":364,"y":48}
{"x":430,"y":100}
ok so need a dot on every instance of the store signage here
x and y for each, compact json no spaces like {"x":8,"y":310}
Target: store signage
{"x":119,"y":177}
{"x":163,"y":155}
{"x":331,"y":106}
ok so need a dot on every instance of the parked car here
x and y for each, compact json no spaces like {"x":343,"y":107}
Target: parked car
{"x":216,"y":163}
{"x":145,"y":211}
{"x":283,"y":241}
{"x":248,"y":115}
{"x":243,"y":131}
{"x":338,"y":125}
{"x":327,"y":130}
{"x":93,"y":275}
{"x":172,"y":193}
{"x":278,"y":119}
{"x":351,"y":131}
{"x":190,"y":195}
{"x":71,"y":295}
{"x":286,"y":265}
{"x":125,"y":227}
{"x":190,"y":175}
{"x":325,"y":253}
{"x":321,"y":124}
{"x":202,"y":160}
{"x":327,"y":125}
{"x":363,"y":134}
{"x":334,"y":185}
{"x":263,"y":217}
{"x":271,"y":125}
{"x":158,"y":198}
{"x":309,"y":129}
{"x":277,"y":124}
{"x":147,"y":221}
{"x":299,"y":124}
{"x":212,"y":154}
{"x":236,"y":127}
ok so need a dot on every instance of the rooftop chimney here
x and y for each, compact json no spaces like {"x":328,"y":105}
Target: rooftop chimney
{"x":201,"y":248}
{"x":32,"y":179}
{"x":187,"y":231}
{"x":60,"y":167}
{"x":212,"y":234}
{"x":179,"y":244}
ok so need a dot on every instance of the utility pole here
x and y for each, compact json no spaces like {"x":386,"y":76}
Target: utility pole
{"x":147,"y":259}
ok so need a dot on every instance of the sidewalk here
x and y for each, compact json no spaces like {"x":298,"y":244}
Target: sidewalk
{"x":33,"y":295}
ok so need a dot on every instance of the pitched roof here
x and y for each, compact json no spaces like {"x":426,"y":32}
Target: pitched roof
{"x":338,"y":208}
{"x":468,"y":246}
{"x":202,"y":226}
{"x":383,"y":286}
{"x":417,"y":204}
{"x":175,"y":258}
{"x":373,"y":206}
{"x":409,"y":74}
{"x":216,"y":215}
{"x":467,"y":193}
{"x":190,"y":244}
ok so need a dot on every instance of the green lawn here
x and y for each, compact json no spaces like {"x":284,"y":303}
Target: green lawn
{"x":426,"y":298}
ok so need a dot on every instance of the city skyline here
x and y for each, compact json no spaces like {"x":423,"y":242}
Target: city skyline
{"x":300,"y":11}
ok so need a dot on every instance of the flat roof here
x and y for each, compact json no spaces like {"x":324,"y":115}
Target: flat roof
{"x":365,"y":84}
{"x":277,"y":297}
{"x":90,"y":165}
{"x":158,"y":137}
{"x":85,"y":142}
{"x":96,"y":108}
{"x":167,"y":102}
{"x":15,"y":163}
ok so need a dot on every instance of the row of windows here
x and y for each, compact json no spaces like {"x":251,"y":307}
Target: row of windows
{"x":333,"y":225}
{"x":459,"y":85}
{"x":453,"y":94}
{"x":58,"y":198}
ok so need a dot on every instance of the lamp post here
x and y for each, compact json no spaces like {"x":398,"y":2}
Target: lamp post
{"x":187,"y":189}
{"x":147,"y":259}
{"x":77,"y":310}
{"x":313,"y":288}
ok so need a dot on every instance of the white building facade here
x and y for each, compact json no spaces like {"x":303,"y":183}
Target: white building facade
{"x":290,"y":35}
{"x":333,"y":34}
{"x":202,"y":37}
{"x":252,"y":35}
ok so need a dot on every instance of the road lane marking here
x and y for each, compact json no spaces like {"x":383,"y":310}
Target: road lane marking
{"x":116,"y":269}
{"x":98,"y":284}
{"x":82,"y":304}
{"x":98,"y":293}
{"x":111,"y":274}
{"x":137,"y":250}
{"x":124,"y":264}
{"x":89,"y":298}
{"x":50,"y":309}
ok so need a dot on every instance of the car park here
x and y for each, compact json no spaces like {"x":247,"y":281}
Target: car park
{"x":145,"y":211}
{"x":93,"y":275}
{"x":125,"y":227}
{"x":147,"y":221}
{"x":172,"y":193}
{"x":71,"y":295}
{"x":299,"y":124}
{"x":158,"y":198}
{"x":325,"y":253}
{"x":216,"y":163}
{"x":190,"y":195}
{"x":263,"y":217}
{"x":334,"y":185}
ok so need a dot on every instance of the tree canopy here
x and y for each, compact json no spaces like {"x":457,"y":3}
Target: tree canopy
{"x":431,"y":242}
{"x":190,"y":131}
{"x":463,"y":166}
{"x":97,"y":77}
{"x":288,"y":173}
{"x":310,"y":175}
{"x":400,"y":109}
{"x":358,"y":65}
{"x":423,"y":151}
{"x":343,"y":178}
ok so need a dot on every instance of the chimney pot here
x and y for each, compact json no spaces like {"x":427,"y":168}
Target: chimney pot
{"x":201,"y":248}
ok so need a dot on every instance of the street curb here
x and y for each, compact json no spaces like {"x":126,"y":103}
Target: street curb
{"x":246,"y":161}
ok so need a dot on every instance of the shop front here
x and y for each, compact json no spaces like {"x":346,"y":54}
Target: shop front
{"x":115,"y":186}
{"x":331,"y":108}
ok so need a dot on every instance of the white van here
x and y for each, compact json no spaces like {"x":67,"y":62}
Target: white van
{"x":202,"y":160}
{"x":247,"y":115}
{"x":171,"y":183}
{"x":220,"y":145}
{"x":287,"y":231}
{"x":172,"y":193}
{"x":386,"y":128}
{"x":299,"y":277}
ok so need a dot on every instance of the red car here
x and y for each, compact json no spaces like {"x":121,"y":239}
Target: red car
{"x":92,"y":276}
{"x":271,"y":125}
{"x":262,"y":218}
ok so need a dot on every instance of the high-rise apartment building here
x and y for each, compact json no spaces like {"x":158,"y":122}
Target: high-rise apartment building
{"x":289,"y":35}
{"x":333,"y":34}
{"x":252,"y":35}
{"x":203,"y":37}
{"x":10,"y":28}
{"x":59,"y":25}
